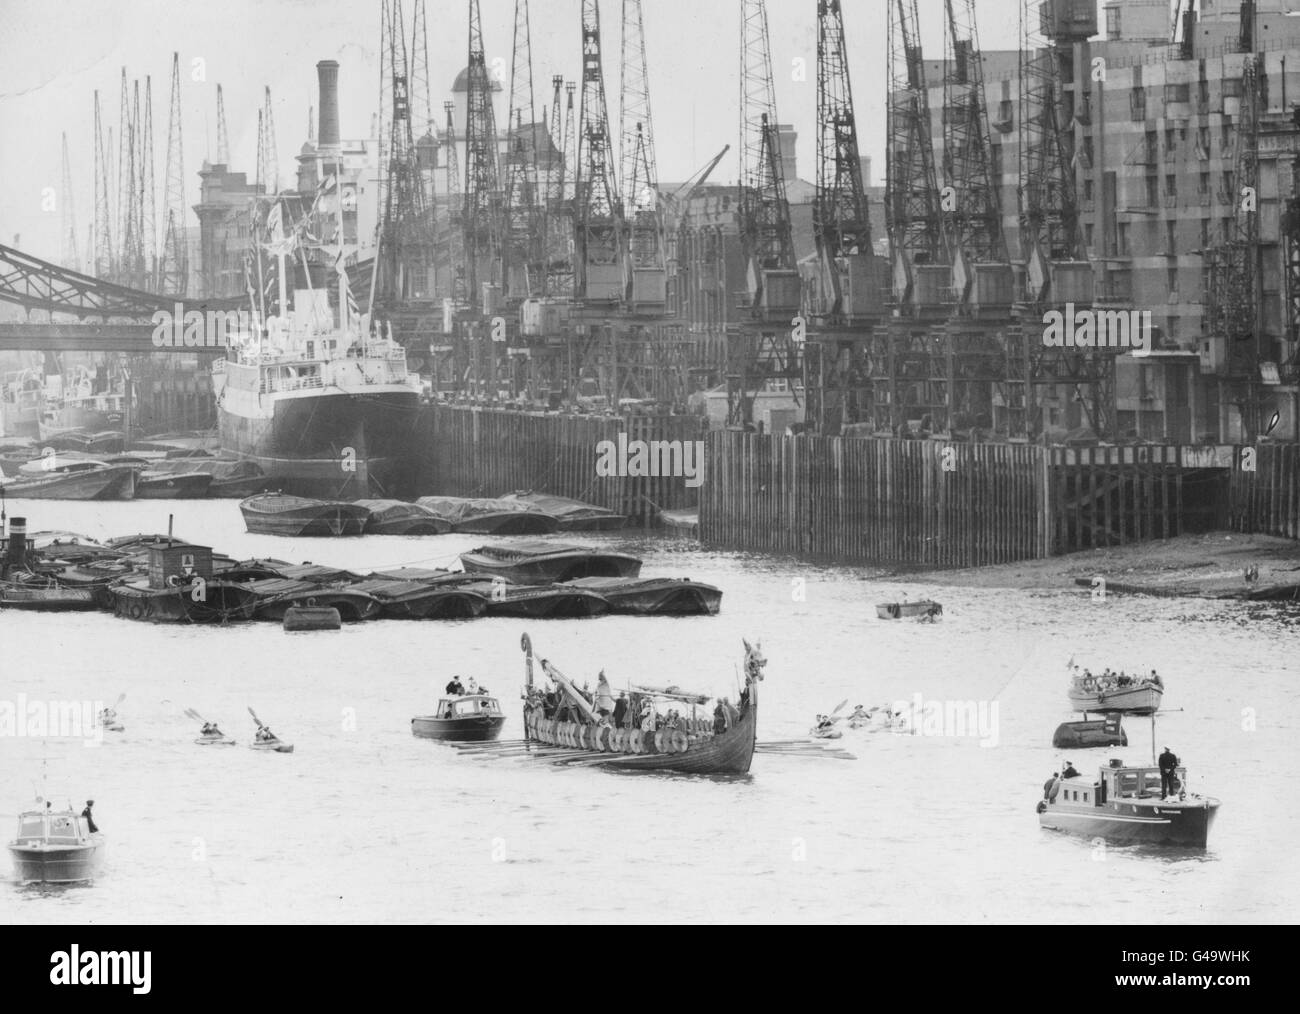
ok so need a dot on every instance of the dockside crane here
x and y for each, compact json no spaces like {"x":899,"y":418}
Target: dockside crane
{"x":766,"y":241}
{"x":404,"y":255}
{"x":102,"y":246}
{"x":68,"y":219}
{"x":481,"y":217}
{"x":916,"y":234}
{"x":559,"y":204}
{"x":175,"y":253}
{"x":523,"y":223}
{"x":1057,"y":272}
{"x":455,"y":207}
{"x":848,"y":273}
{"x":978,"y":240}
{"x":600,"y":240}
{"x":648,"y":288}
{"x":1233,"y":267}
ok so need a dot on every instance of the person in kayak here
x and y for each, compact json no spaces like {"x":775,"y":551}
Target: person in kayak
{"x":860,"y":714}
{"x":90,"y":821}
{"x":264,"y":734}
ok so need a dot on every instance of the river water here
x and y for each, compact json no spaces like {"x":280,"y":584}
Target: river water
{"x":364,"y":823}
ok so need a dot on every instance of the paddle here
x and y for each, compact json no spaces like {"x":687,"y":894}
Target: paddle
{"x":255,"y":718}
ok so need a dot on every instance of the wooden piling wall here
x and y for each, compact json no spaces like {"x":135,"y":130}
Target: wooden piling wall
{"x":918,"y":503}
{"x":1265,"y":499}
{"x":488,"y":452}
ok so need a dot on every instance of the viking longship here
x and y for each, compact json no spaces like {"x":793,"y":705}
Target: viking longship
{"x":566,"y":720}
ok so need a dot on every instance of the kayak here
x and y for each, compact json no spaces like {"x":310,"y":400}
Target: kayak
{"x":115,"y":727}
{"x":221,"y":740}
{"x":825,"y":733}
{"x":274,"y":745}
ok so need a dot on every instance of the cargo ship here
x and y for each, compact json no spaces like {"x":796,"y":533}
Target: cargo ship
{"x":320,"y":399}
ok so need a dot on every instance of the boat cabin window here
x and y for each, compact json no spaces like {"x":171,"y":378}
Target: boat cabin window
{"x":31,"y":827}
{"x":476,"y":706}
{"x":1138,"y":782}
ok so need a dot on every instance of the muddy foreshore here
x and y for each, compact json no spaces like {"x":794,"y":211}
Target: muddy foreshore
{"x":1212,"y":565}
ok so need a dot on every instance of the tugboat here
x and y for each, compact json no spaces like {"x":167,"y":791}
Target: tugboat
{"x":1123,"y":804}
{"x":462,"y":718}
{"x":57,"y":846}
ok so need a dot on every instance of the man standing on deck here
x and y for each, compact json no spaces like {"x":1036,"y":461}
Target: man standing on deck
{"x":1050,"y":784}
{"x":90,"y":821}
{"x":620,"y":711}
{"x":1168,"y":766}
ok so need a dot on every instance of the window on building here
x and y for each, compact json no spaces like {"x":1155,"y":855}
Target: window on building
{"x":1153,"y":191}
{"x":1203,"y":188}
{"x":1087,"y":235}
{"x":1171,"y":237}
{"x":1205,"y":233}
{"x":1088,"y":189}
{"x":1171,"y":280}
{"x":1171,"y":185}
{"x":1178,"y":92}
{"x":1137,"y":101}
{"x":1171,"y":141}
{"x":1122,"y":237}
{"x":1113,"y":23}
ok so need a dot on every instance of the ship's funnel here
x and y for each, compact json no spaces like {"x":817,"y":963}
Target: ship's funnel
{"x":327,"y":72}
{"x":17,"y":550}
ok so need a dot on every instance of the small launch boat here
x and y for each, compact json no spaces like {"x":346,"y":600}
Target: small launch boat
{"x":469,"y":718}
{"x":56,"y":847}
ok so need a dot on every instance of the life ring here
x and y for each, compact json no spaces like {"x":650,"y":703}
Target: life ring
{"x":311,"y":601}
{"x":634,"y":742}
{"x":681,"y":742}
{"x":1042,"y":805}
{"x":135,"y":610}
{"x":659,"y":741}
{"x":618,"y":742}
{"x":580,"y":736}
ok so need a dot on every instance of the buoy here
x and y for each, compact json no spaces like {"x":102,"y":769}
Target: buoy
{"x":312,"y":618}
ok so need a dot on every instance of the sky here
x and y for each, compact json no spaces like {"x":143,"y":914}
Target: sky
{"x":54,"y":54}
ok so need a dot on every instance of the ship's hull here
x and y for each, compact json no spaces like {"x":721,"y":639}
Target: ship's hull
{"x":471,"y":729}
{"x":331,"y":445}
{"x":116,"y":482}
{"x":58,"y":864}
{"x":1156,"y":822}
{"x":529,"y":567}
{"x":159,"y":486}
{"x":1140,"y":700}
{"x":726,"y":753}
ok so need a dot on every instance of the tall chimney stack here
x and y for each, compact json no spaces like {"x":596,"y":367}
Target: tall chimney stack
{"x":327,"y":72}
